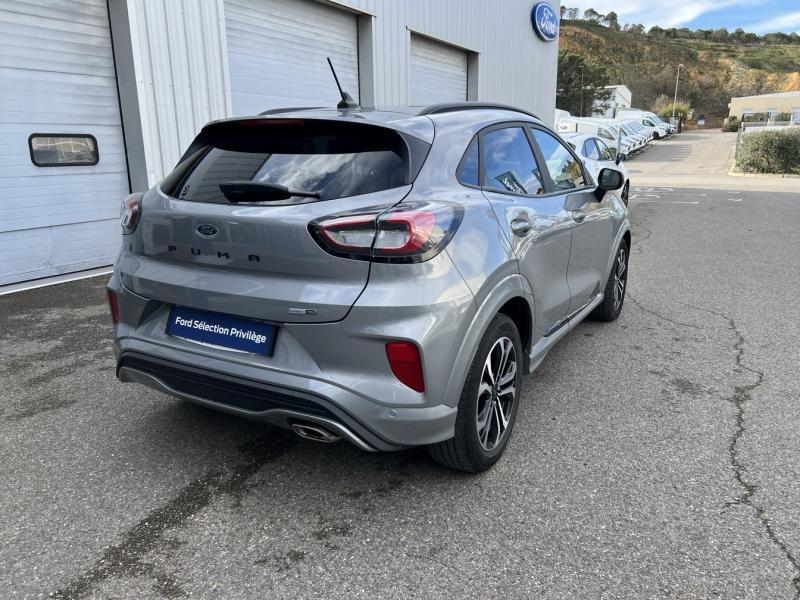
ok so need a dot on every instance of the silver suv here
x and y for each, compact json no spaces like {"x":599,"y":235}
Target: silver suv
{"x":385,"y":277}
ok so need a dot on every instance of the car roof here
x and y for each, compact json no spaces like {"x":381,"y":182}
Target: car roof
{"x":577,"y":137}
{"x":415,"y":120}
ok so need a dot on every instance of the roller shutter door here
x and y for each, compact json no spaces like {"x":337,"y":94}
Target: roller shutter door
{"x":57,"y":76}
{"x":277,"y":51}
{"x":438,"y":72}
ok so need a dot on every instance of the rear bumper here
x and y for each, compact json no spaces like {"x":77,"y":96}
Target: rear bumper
{"x":334,"y":374}
{"x":285,"y":400}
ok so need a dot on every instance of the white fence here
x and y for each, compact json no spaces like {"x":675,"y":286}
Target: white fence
{"x":750,"y":127}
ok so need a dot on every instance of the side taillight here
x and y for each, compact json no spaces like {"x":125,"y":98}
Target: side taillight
{"x":409,"y":232}
{"x":113,"y":305}
{"x":131,"y":213}
{"x":406,"y":364}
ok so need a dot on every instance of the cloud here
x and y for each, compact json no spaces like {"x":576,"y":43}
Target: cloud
{"x":665,"y":14}
{"x":787,"y":22}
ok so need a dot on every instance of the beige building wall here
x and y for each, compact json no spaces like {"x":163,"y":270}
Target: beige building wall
{"x":786,"y":102}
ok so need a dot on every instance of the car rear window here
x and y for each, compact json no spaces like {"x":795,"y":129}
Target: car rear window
{"x":326,"y":159}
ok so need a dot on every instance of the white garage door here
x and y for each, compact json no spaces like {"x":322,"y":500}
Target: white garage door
{"x":277,"y":51}
{"x":57,"y":77}
{"x":438,"y":72}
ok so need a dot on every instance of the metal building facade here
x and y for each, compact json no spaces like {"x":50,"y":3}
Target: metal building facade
{"x":181,"y":63}
{"x":183,"y":80}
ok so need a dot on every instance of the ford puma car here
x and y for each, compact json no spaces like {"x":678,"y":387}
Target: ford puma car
{"x":385,"y":278}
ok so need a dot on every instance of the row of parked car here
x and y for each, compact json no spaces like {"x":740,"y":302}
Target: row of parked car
{"x":602,"y":143}
{"x":631,"y":131}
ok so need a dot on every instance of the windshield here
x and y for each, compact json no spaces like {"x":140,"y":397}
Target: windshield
{"x":607,"y":133}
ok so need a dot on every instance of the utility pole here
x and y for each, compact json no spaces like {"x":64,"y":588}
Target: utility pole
{"x":677,"y":78}
{"x":581,"y":90}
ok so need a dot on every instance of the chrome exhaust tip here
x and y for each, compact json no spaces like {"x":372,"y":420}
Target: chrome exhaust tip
{"x":315,"y":433}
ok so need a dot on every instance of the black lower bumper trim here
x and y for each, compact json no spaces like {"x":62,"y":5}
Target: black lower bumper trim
{"x":222,"y":389}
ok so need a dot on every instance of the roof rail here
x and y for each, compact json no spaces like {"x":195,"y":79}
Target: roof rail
{"x":277,"y":111}
{"x":435,"y":109}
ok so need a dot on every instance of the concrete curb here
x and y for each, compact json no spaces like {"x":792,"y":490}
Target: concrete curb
{"x":733,"y":173}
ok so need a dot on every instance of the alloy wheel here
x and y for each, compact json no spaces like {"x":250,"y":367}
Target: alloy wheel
{"x":620,"y":278}
{"x":496,"y":393}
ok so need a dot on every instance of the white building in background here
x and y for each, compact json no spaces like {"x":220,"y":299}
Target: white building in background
{"x":101,"y":97}
{"x":620,"y":98}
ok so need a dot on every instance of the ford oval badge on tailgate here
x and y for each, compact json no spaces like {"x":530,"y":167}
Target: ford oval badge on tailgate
{"x":207,"y":230}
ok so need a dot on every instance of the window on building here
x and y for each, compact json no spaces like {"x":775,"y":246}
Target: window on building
{"x":565,"y":169}
{"x":63,"y":150}
{"x":508,"y":163}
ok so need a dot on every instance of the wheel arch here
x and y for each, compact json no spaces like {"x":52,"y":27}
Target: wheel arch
{"x":519,"y":310}
{"x":513,"y":297}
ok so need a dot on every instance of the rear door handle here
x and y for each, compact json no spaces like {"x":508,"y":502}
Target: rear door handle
{"x":520,"y":227}
{"x":578,"y":215}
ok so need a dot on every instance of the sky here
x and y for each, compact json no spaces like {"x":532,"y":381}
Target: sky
{"x":757,"y":16}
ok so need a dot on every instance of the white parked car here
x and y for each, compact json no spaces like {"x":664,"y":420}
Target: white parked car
{"x":647,"y":118}
{"x":640,"y":138}
{"x":604,"y":129}
{"x":596,"y":155}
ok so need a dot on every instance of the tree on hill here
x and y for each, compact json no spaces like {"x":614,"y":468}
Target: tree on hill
{"x":739,"y":36}
{"x":592,"y":15}
{"x":612,"y":21}
{"x":720,"y":35}
{"x":573,"y":70}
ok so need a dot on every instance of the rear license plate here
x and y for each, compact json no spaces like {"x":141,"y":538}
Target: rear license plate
{"x":224,"y":331}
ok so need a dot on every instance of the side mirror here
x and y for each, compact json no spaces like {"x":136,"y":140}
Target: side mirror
{"x":620,"y":157}
{"x":609,"y":180}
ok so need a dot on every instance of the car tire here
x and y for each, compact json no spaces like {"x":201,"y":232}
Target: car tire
{"x":616,"y":286}
{"x":486,"y":401}
{"x":626,"y":190}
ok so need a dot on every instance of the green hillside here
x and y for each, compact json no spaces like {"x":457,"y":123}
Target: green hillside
{"x":713,"y":71}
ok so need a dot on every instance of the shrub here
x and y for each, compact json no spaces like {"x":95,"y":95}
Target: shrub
{"x":681,"y":107}
{"x":770,"y":152}
{"x":731,"y":125}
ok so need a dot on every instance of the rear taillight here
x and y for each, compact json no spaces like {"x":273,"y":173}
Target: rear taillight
{"x":113,"y":305}
{"x":409,"y":232}
{"x":406,"y":364}
{"x":131,"y":212}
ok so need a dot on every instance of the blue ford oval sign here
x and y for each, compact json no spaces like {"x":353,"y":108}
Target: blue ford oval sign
{"x":545,"y":21}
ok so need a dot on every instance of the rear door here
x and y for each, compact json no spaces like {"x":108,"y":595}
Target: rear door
{"x":536,"y":221}
{"x":591,"y":219}
{"x":196,"y":247}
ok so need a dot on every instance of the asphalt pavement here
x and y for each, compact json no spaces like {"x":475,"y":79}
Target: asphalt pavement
{"x":654,"y":457}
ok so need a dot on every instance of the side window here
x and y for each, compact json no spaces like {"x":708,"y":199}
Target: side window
{"x":508,"y":163}
{"x":590,"y":150}
{"x":468,"y":171}
{"x":605,"y":151}
{"x":565,"y":169}
{"x":63,"y":150}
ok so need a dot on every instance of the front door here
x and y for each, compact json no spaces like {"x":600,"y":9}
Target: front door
{"x":591,"y":219}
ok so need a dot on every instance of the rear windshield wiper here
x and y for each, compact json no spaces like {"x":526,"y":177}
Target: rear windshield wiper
{"x":259,"y":191}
